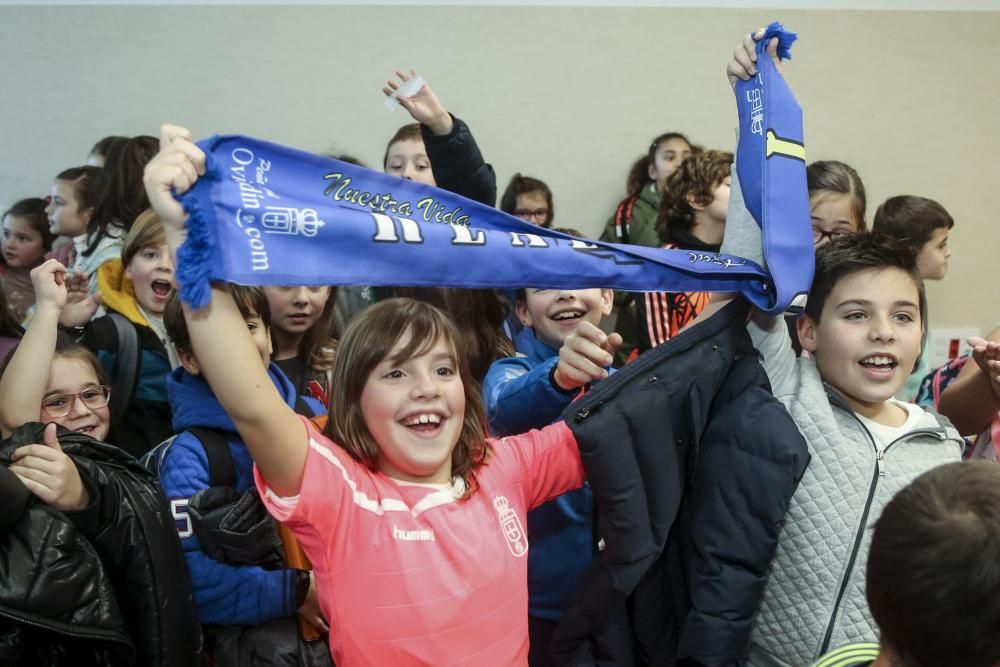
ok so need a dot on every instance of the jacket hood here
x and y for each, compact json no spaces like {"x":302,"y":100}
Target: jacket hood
{"x":118,"y":293}
{"x":194,"y":404}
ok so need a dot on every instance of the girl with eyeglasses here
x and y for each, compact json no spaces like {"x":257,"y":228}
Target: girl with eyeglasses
{"x":51,"y":378}
{"x":107,"y":533}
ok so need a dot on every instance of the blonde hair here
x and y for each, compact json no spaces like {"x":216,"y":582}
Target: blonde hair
{"x":146,"y":231}
{"x":367,"y":342}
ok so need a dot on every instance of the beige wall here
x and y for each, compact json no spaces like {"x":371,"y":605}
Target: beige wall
{"x":570,"y":95}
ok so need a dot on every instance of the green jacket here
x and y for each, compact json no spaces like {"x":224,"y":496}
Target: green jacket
{"x":642,"y":225}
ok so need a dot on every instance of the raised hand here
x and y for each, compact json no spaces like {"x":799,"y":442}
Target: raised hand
{"x":584,"y":356}
{"x":80,"y":303}
{"x":987,"y":355}
{"x":50,"y":474}
{"x":49,"y":281}
{"x":423,"y":106}
{"x":744,"y":62}
{"x":175,"y":168}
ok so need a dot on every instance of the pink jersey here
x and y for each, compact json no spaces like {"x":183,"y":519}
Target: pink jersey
{"x":410,"y":575}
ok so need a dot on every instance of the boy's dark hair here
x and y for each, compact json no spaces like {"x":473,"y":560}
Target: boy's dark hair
{"x":409,"y":132}
{"x":249,"y":300}
{"x":122,"y":197}
{"x":520,"y":185}
{"x":933,"y":574}
{"x":33,"y":210}
{"x":860,"y":252}
{"x":911,"y":219}
{"x":831,"y":176}
{"x":86,"y":182}
{"x":696,"y":177}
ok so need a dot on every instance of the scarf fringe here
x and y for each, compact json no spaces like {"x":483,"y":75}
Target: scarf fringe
{"x":200,"y":251}
{"x":785,"y":40}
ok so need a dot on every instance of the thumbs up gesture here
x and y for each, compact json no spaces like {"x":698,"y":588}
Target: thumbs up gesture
{"x":50,"y":474}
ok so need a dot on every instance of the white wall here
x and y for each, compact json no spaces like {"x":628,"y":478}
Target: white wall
{"x":568,"y":94}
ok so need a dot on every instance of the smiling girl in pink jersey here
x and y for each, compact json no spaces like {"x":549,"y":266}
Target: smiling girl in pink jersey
{"x":413,"y":520}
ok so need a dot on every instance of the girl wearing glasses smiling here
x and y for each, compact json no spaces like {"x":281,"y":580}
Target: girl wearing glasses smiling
{"x":71,"y":391}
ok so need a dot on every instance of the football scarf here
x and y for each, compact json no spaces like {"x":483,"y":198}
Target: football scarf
{"x":265,"y":214}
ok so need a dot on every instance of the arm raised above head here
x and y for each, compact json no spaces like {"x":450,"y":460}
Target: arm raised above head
{"x":220,"y":341}
{"x":23,"y":384}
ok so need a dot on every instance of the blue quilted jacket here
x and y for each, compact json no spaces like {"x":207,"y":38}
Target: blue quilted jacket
{"x":224,"y":594}
{"x":519,"y":396}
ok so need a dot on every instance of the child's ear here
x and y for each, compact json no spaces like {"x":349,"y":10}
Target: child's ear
{"x":270,"y":344}
{"x":189,"y":362}
{"x":607,"y":301}
{"x":128,"y":272}
{"x":86,"y":214}
{"x":695,"y":203}
{"x":651,"y":170}
{"x":805,"y":327}
{"x":521,"y":310}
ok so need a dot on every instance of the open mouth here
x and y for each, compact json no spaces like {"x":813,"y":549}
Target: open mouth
{"x":879,"y":363}
{"x":424,"y":423}
{"x":86,"y":430}
{"x":161,"y":288}
{"x":298,"y":318}
{"x":567,"y":315}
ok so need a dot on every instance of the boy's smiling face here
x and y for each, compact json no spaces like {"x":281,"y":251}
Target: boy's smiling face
{"x":553,"y":314}
{"x":868,"y":337}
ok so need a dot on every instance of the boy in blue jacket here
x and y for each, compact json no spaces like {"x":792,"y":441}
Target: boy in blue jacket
{"x":559,"y":352}
{"x":225,"y":594}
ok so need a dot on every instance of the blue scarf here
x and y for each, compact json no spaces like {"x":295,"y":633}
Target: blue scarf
{"x":771,"y":164}
{"x":265,"y":214}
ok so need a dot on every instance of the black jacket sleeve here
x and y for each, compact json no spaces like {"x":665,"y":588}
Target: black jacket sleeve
{"x":458,"y":165}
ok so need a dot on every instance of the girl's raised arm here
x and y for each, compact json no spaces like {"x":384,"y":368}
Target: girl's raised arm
{"x":23,"y":384}
{"x":225,"y":352}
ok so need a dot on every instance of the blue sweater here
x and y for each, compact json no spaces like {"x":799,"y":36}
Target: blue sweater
{"x":224,"y":594}
{"x":519,"y":396}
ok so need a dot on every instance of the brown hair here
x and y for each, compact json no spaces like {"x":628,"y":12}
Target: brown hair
{"x":409,"y":132}
{"x":366,"y":343}
{"x":479,"y":316}
{"x":520,"y":185}
{"x":122,"y":196}
{"x":911,"y":219}
{"x":147,"y":231}
{"x":33,"y":210}
{"x":932,"y":577}
{"x":695,"y":178}
{"x":86,"y":184}
{"x":831,"y":176}
{"x":68,"y":348}
{"x":105,"y":145}
{"x":249,"y":300}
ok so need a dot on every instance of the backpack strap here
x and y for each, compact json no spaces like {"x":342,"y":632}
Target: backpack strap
{"x":221,"y":469}
{"x":623,"y":216}
{"x":126,"y":365}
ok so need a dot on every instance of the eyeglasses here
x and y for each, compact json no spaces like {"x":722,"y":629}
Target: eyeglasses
{"x":60,"y":405}
{"x":819,"y":234}
{"x":532,"y":213}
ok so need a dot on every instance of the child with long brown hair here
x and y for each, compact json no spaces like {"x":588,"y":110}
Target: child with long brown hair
{"x":412,"y":518}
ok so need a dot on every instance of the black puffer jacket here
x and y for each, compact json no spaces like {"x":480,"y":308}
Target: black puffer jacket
{"x":458,"y":164}
{"x":98,"y":586}
{"x":693,"y":464}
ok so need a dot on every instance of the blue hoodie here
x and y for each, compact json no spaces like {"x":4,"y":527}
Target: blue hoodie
{"x":519,"y":395}
{"x":224,"y":594}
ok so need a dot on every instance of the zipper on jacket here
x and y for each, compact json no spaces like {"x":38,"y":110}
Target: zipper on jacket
{"x":76,"y":634}
{"x":858,"y":537}
{"x":879,"y":472}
